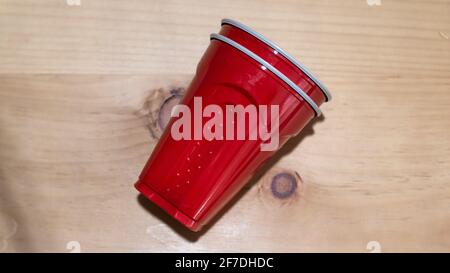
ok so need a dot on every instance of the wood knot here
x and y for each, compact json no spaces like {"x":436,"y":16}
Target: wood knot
{"x":280,"y":187}
{"x":283,"y":185}
{"x":158,"y":107}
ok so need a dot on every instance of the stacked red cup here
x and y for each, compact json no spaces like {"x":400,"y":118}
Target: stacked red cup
{"x":192,"y":173}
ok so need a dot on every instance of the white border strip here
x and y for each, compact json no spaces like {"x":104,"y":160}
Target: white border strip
{"x":282,"y":52}
{"x":270,"y":68}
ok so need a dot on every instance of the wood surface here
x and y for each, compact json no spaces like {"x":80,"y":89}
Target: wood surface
{"x":81,"y":86}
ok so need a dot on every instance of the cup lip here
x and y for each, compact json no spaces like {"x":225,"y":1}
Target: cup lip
{"x":274,"y":46}
{"x":270,"y":68}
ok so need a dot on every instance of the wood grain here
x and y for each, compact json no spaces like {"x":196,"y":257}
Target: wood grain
{"x":79,"y":87}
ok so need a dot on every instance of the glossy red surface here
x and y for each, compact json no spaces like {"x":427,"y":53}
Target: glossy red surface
{"x":193,"y":179}
{"x":275,"y":59}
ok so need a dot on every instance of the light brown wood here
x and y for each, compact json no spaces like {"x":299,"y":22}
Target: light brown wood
{"x":80,"y":87}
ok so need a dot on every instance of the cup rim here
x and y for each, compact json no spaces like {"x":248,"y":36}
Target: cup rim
{"x":269,"y":67}
{"x":275,"y":47}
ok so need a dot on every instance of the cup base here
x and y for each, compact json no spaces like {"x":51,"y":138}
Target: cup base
{"x":167,"y":206}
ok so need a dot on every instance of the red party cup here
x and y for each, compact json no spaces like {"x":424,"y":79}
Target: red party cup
{"x":277,"y":57}
{"x":193,"y":178}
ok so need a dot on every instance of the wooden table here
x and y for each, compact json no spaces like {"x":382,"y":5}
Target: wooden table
{"x":81,"y":85}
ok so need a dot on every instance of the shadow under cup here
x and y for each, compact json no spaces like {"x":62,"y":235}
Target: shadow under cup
{"x":192,"y":179}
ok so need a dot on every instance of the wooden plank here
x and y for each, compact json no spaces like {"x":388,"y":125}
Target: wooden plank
{"x":71,"y":147}
{"x":397,"y":38}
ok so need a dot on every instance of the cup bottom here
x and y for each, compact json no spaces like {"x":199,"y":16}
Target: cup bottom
{"x":167,"y":206}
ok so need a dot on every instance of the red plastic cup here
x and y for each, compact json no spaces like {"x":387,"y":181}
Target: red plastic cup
{"x":193,"y":179}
